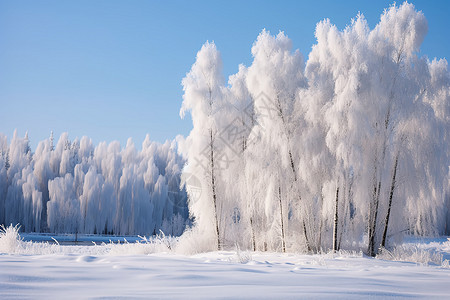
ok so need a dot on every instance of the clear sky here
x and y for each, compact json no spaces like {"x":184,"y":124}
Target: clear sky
{"x":112,"y":69}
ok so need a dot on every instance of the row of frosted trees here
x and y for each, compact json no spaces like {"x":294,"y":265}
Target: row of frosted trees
{"x":350,"y":150}
{"x":74,"y":187}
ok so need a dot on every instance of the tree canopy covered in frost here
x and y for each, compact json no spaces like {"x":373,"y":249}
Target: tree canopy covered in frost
{"x":75,"y":187}
{"x":349,"y":149}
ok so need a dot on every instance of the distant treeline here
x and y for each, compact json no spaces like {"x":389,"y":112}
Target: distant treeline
{"x":75,"y":187}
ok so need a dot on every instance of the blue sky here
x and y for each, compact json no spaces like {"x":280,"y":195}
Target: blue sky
{"x":112,"y":69}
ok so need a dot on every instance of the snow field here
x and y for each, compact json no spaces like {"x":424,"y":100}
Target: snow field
{"x":152,"y":269}
{"x":217,"y":275}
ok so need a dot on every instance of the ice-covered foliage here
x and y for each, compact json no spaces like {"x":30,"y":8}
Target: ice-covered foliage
{"x":413,"y":254}
{"x":12,"y":243}
{"x":75,"y":187}
{"x":9,"y":238}
{"x":349,"y":150}
{"x":203,"y":97}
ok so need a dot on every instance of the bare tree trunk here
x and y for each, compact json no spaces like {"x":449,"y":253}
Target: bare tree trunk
{"x":391,"y":194}
{"x":214,"y":196}
{"x":283,"y":241}
{"x":336,"y":221}
{"x":292,"y":165}
{"x":371,"y":214}
{"x":308,"y":245}
{"x":373,"y":225}
{"x":347,"y":214}
{"x":319,"y":241}
{"x":318,"y":245}
{"x":253,"y":234}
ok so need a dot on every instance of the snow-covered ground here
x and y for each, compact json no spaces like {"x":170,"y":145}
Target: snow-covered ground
{"x":136,"y":271}
{"x":216,"y":275}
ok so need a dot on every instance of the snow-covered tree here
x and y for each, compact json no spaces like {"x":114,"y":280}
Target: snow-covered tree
{"x":203,"y":96}
{"x":351,"y":154}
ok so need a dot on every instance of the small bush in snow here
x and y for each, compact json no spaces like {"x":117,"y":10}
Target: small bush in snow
{"x":242,"y":257}
{"x":413,"y":254}
{"x":157,"y":244}
{"x":10,"y":239}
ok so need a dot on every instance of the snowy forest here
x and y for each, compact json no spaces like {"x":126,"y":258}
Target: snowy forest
{"x":347,"y":148}
{"x":74,"y":187}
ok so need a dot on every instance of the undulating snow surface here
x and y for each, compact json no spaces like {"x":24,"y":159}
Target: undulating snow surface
{"x":153,"y":269}
{"x":217,"y":275}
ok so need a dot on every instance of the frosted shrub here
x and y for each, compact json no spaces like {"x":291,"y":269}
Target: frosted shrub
{"x":413,"y":254}
{"x":193,"y":241}
{"x":242,"y":257}
{"x":12,"y":243}
{"x":343,"y":254}
{"x":10,"y":240}
{"x":445,"y":264}
{"x":158,"y":244}
{"x":165,"y":241}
